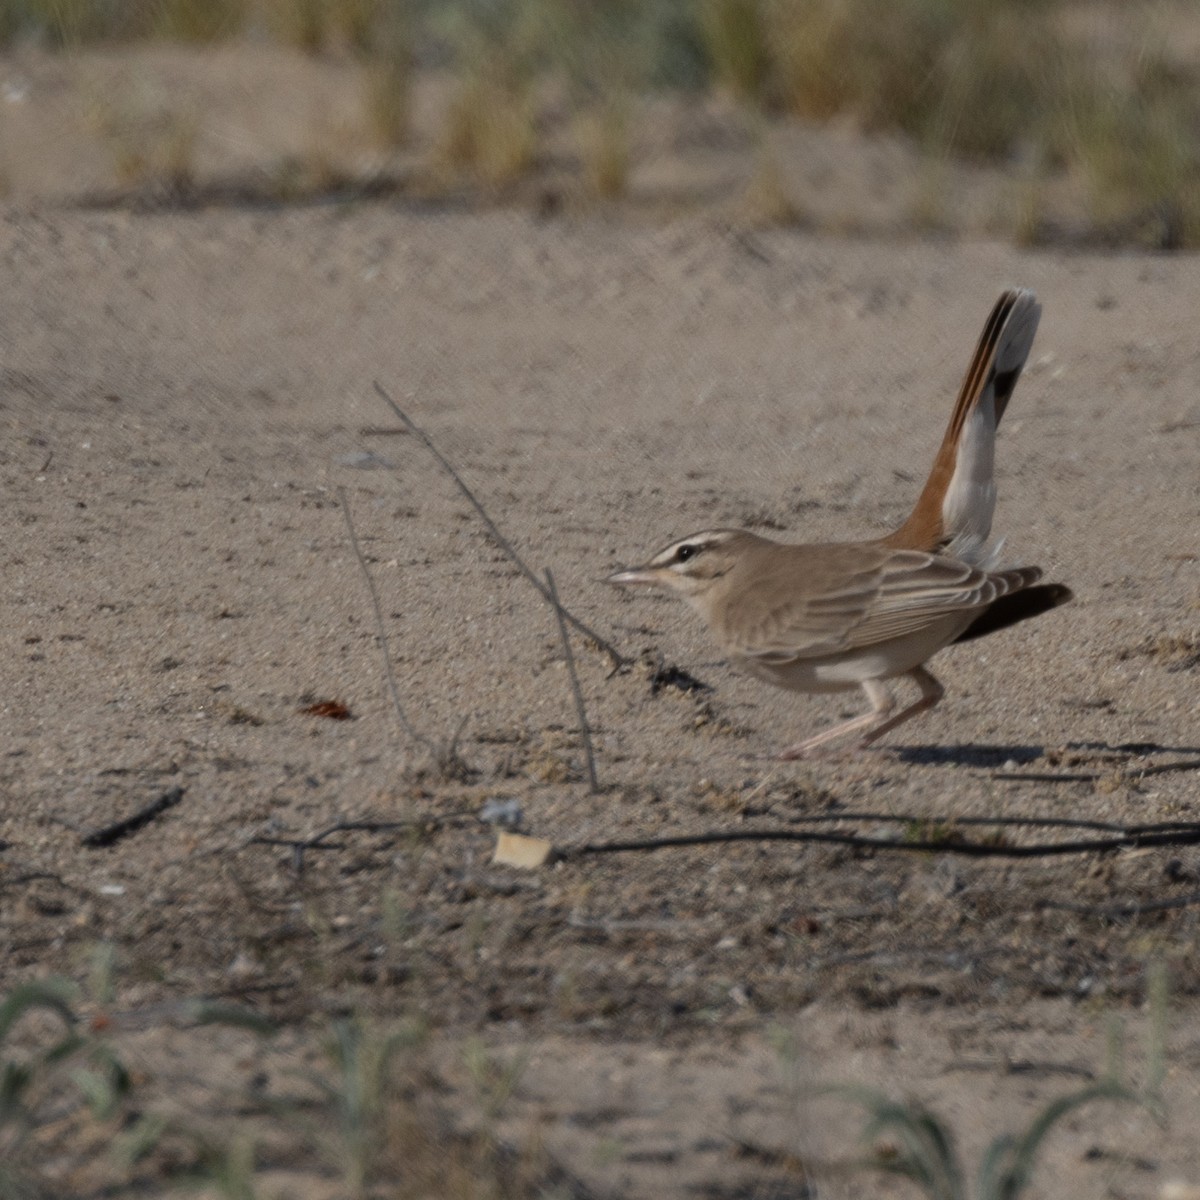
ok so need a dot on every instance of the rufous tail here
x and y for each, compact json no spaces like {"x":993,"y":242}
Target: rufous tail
{"x":959,"y":496}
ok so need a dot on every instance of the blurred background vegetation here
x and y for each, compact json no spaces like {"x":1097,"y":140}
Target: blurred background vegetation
{"x":1101,"y":97}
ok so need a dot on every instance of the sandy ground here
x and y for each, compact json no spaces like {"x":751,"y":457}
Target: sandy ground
{"x":183,"y":394}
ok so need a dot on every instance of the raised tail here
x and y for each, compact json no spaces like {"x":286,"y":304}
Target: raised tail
{"x":1014,"y":607}
{"x":960,"y":494}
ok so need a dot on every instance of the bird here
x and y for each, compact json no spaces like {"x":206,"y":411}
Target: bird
{"x":835,"y":616}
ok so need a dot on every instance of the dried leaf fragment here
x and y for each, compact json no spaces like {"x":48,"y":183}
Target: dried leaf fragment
{"x":334,"y":710}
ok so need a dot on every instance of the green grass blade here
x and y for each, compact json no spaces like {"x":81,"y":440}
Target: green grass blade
{"x":51,"y":994}
{"x":213,"y":1012}
{"x":927,"y":1155}
{"x":1009,"y":1183}
{"x":996,"y":1166}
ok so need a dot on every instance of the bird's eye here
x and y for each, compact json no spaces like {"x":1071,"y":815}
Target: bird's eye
{"x":684,"y":553}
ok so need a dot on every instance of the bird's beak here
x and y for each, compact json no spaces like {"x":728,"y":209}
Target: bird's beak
{"x":633,"y":577}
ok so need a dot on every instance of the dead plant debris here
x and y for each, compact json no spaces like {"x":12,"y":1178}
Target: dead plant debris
{"x":333,"y":710}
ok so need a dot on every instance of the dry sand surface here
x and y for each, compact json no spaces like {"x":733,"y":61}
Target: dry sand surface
{"x":182,"y":396}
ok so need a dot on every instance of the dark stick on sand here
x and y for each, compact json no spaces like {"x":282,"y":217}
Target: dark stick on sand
{"x":1133,"y":837}
{"x":108,"y":835}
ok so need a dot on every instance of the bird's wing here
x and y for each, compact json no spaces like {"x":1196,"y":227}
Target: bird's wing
{"x":899,"y":594}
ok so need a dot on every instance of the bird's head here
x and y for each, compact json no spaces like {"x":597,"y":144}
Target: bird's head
{"x":690,"y":567}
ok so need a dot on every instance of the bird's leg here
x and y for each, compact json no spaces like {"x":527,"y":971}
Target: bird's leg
{"x":882,"y":705}
{"x":880,"y":719}
{"x":931,"y":693}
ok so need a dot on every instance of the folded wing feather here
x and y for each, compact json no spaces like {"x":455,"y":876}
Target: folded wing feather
{"x":903,"y":594}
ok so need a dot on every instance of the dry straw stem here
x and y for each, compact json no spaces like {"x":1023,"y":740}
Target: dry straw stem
{"x":387,"y":87}
{"x":584,"y":729}
{"x":381,"y":629}
{"x":420,"y":827}
{"x":388,"y":74}
{"x":617,"y":659}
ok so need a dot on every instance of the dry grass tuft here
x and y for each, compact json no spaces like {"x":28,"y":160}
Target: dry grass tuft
{"x":304,"y":24}
{"x":766,"y":203}
{"x":201,"y":20}
{"x":388,"y":77}
{"x":966,"y":77}
{"x":549,"y":760}
{"x":736,"y":38}
{"x":1174,"y":651}
{"x":1026,"y":217}
{"x":357,"y":23}
{"x":150,"y":138}
{"x":367,"y":1109}
{"x":605,"y":149}
{"x":995,"y":81}
{"x":1138,"y":147}
{"x":387,"y":99}
{"x":1101,"y":111}
{"x":298,"y":176}
{"x":316,"y":25}
{"x":490,"y":133}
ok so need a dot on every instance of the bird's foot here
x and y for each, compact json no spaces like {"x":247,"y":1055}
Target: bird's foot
{"x":832,"y":754}
{"x":803,"y":753}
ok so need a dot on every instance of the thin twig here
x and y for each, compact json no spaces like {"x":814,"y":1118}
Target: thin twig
{"x":1163,"y":768}
{"x":744,"y":240}
{"x":682,"y":927}
{"x":1187,"y":835}
{"x":1125,"y":771}
{"x":1020,"y":1066}
{"x":1125,"y":908}
{"x":1024,"y":822}
{"x":405,"y":724}
{"x":837,"y":816}
{"x":1123,"y":837}
{"x":584,"y":729}
{"x":1044,"y":777}
{"x":615,"y":656}
{"x":320,"y":841}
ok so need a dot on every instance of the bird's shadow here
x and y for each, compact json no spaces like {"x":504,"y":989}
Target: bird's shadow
{"x":973,"y":754}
